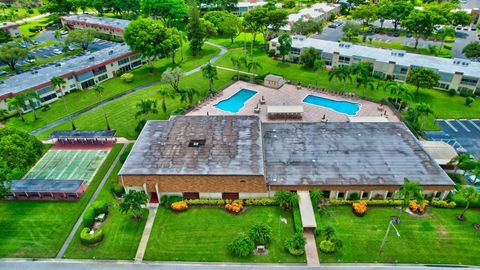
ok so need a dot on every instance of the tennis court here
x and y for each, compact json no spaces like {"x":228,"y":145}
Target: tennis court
{"x":68,"y":165}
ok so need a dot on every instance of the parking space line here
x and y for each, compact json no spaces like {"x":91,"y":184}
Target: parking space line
{"x":461,"y":124}
{"x":475,"y":125}
{"x":450,"y":125}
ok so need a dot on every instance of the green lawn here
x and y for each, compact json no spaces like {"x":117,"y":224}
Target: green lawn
{"x":122,"y":232}
{"x":14,"y":14}
{"x":437,"y":237}
{"x":203,"y":234}
{"x":445,"y":53}
{"x":37,"y":229}
{"x":244,"y":39}
{"x":83,"y":99}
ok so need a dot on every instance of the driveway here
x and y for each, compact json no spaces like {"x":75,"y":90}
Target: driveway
{"x":463,"y":135}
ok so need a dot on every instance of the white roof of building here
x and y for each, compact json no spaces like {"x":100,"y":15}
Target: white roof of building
{"x":441,"y":152}
{"x":314,"y":12}
{"x":33,"y":78}
{"x":446,"y":65}
{"x":251,"y":4}
{"x":4,"y":25}
{"x":100,"y":21}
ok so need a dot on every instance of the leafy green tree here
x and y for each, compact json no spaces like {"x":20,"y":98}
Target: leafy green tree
{"x":409,"y":190}
{"x":133,"y":202}
{"x":187,"y":95}
{"x":276,"y":18}
{"x":32,"y":97}
{"x":82,"y":37}
{"x":401,"y":91}
{"x":167,"y":11}
{"x":146,"y":106}
{"x":341,"y":73}
{"x":469,"y":101}
{"x":444,"y":33}
{"x":286,"y":199}
{"x":241,"y":246}
{"x":469,"y":194}
{"x":172,"y":76}
{"x":458,"y":160}
{"x":471,"y":50}
{"x":422,"y":77}
{"x":365,"y":13}
{"x":5,"y":36}
{"x":396,"y":11}
{"x":17,"y":103}
{"x":57,"y":83}
{"x":308,"y":56}
{"x":285,"y":45}
{"x":254,"y":21}
{"x":307,"y":27}
{"x":425,"y":110}
{"x":210,"y":73}
{"x":99,"y":93}
{"x":11,"y":53}
{"x":198,"y":29}
{"x":260,"y":234}
{"x":172,"y":43}
{"x":421,"y":24}
{"x":351,"y":30}
{"x":459,"y":18}
{"x":296,"y":243}
{"x":164,"y":94}
{"x":227,"y":24}
{"x":57,"y":6}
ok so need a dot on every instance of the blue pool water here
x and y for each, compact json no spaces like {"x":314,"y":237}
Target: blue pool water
{"x":345,"y":107}
{"x":236,"y":102}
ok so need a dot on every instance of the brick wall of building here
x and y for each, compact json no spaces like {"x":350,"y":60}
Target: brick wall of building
{"x":362,"y":188}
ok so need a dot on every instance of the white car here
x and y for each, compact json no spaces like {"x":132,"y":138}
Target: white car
{"x":57,"y":51}
{"x":31,"y":60}
{"x":471,"y":178}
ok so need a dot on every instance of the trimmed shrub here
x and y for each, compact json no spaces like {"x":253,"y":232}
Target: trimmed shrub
{"x":172,"y":199}
{"x":88,"y":238}
{"x":207,"y":202}
{"x":354,"y":196}
{"x":242,"y":246}
{"x":326,"y":246}
{"x":95,"y":209}
{"x":417,"y":207}
{"x":88,"y":217}
{"x":297,"y":220}
{"x":261,"y":202}
{"x":179,"y":206}
{"x":163,"y":201}
{"x":469,"y":101}
{"x":443,"y":204}
{"x":127,"y":77}
{"x":369,"y":202}
{"x":118,"y":190}
{"x":234,"y":207}
{"x":100,"y":207}
{"x":271,"y":53}
{"x":452,"y":92}
{"x":296,"y":244}
{"x":260,"y":234}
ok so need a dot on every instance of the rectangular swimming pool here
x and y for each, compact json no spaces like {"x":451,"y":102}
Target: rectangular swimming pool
{"x":345,"y":107}
{"x":236,"y":102}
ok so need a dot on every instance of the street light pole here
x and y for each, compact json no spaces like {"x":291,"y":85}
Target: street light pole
{"x":390,"y":224}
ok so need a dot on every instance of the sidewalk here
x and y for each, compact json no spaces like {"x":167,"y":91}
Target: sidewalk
{"x":146,"y":233}
{"x":311,"y":249}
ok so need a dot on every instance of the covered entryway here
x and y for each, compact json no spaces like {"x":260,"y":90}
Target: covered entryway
{"x":309,"y":224}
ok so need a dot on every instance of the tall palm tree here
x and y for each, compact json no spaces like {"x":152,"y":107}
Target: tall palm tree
{"x":164,"y":94}
{"x":469,"y":194}
{"x":146,"y":106}
{"x":17,"y":103}
{"x":318,"y":65}
{"x":460,"y":159}
{"x":237,"y":63}
{"x":408,"y":191}
{"x":425,"y":109}
{"x":360,"y":70}
{"x":253,"y":65}
{"x":57,"y":83}
{"x":400,"y":90}
{"x":99,"y":92}
{"x":183,"y":39}
{"x":210,"y":73}
{"x":446,"y":33}
{"x":367,"y":82}
{"x":32,"y":97}
{"x":341,"y":73}
{"x":187,"y":95}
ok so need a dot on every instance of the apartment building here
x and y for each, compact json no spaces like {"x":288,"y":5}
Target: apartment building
{"x":244,"y":7}
{"x":109,"y":26}
{"x":317,"y":12}
{"x":458,"y":74}
{"x":12,"y":28}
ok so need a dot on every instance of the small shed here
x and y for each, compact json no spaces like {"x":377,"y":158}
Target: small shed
{"x":274,"y":81}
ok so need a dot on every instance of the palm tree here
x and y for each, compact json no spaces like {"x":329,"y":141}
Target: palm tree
{"x":383,"y":86}
{"x":400,"y":90}
{"x":318,"y":65}
{"x":360,"y":70}
{"x":341,"y":73}
{"x":460,"y":159}
{"x":187,"y":95}
{"x":237,"y":63}
{"x":17,"y":103}
{"x":31,"y":97}
{"x":408,"y":191}
{"x":57,"y":82}
{"x":99,"y":92}
{"x":254,"y":66}
{"x":164,"y":94}
{"x":183,"y":38}
{"x":210,"y":73}
{"x":425,"y":109}
{"x":446,"y":33}
{"x":367,"y":82}
{"x":469,"y":194}
{"x":146,"y":106}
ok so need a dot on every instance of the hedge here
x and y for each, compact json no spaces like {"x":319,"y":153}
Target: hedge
{"x":118,"y":190}
{"x":95,"y":209}
{"x":442,"y":204}
{"x":434,"y":203}
{"x":89,"y":239}
{"x":249,"y":202}
{"x":297,"y":220}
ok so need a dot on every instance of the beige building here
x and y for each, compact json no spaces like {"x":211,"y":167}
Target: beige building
{"x":274,"y":81}
{"x":12,"y":28}
{"x":109,"y":26}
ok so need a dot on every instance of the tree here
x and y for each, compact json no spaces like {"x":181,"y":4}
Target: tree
{"x":341,"y":73}
{"x":5,"y":35}
{"x":420,"y":24}
{"x":133,"y":201}
{"x":237,"y":63}
{"x":57,"y":83}
{"x":422,"y":77}
{"x":408,"y":191}
{"x":360,"y":70}
{"x":260,"y":234}
{"x":296,"y":243}
{"x":424,"y":109}
{"x":396,"y":11}
{"x":401,"y":91}
{"x":366,"y":13}
{"x":471,"y":50}
{"x":459,"y":18}
{"x":57,"y":6}
{"x":286,"y":199}
{"x":285,"y":45}
{"x":226,"y":23}
{"x":254,"y":21}
{"x":351,"y":30}
{"x":241,"y":246}
{"x":187,"y":95}
{"x":167,"y":10}
{"x":318,"y":66}
{"x":308,"y":56}
{"x":210,"y":73}
{"x":316,"y":195}
{"x":460,"y":159}
{"x":198,"y":29}
{"x":146,"y":36}
{"x":17,"y":103}
{"x":11,"y":53}
{"x":172,"y":43}
{"x":81,"y":38}
{"x":172,"y":77}
{"x":146,"y":106}
{"x":307,"y":27}
{"x":445,"y":33}
{"x":469,"y":194}
{"x":276,"y":18}
{"x":253,"y":65}
{"x":32,"y":97}
{"x":99,"y":93}
{"x":164,"y":94}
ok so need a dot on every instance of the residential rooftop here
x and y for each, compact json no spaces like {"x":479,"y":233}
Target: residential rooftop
{"x":42,"y":75}
{"x":314,"y":12}
{"x":346,"y":154}
{"x":7,"y":25}
{"x":403,"y":58}
{"x":198,"y":145}
{"x":44,"y":185}
{"x":118,"y":24}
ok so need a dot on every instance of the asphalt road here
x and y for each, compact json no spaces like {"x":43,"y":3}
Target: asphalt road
{"x":461,"y":134}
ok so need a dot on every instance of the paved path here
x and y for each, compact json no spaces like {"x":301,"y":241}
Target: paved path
{"x":222,"y":52}
{"x":146,"y":234}
{"x":311,"y":249}
{"x":95,"y":195}
{"x":234,"y":70}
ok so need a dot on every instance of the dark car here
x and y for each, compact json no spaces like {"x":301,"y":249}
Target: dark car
{"x":333,"y":25}
{"x":473,"y":28}
{"x":409,"y":35}
{"x":396,"y":34}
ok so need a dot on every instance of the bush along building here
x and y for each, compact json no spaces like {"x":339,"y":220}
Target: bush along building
{"x":239,"y":157}
{"x":79,"y":73}
{"x":458,"y":74}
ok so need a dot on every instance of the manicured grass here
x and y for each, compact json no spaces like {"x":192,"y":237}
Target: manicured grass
{"x":38,"y":229}
{"x":437,"y":237}
{"x":445,"y":53}
{"x":122,"y":232}
{"x":203,"y":234}
{"x":18,"y":14}
{"x":244,"y":39}
{"x":82,"y":99}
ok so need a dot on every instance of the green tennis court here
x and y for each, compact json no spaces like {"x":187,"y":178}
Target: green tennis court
{"x":68,"y":165}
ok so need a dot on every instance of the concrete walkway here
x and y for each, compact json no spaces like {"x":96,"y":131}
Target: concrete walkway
{"x":69,"y":239}
{"x":311,"y":251}
{"x":222,"y":52}
{"x":146,"y":233}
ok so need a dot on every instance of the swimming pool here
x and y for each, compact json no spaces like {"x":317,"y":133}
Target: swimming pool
{"x":236,"y":102}
{"x":345,"y":107}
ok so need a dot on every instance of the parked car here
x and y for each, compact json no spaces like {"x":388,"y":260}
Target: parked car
{"x":3,"y":73}
{"x":332,"y":25}
{"x":474,"y":27}
{"x":409,"y":35}
{"x":31,"y":60}
{"x":466,"y":27}
{"x":57,"y":51}
{"x":459,"y":27}
{"x":63,"y":33}
{"x":396,"y":34}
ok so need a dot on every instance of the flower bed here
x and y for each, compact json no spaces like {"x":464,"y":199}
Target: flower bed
{"x":359,"y":208}
{"x":418,"y":208}
{"x":179,"y":206}
{"x":234,"y":207}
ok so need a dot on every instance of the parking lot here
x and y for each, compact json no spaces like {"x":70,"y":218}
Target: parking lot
{"x":47,"y":52}
{"x":463,"y":135}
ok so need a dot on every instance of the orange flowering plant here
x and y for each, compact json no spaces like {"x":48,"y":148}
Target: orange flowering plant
{"x":359,"y":208}
{"x":234,"y":207}
{"x":416,"y":207}
{"x":179,"y":206}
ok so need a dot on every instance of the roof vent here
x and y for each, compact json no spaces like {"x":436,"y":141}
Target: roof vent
{"x":91,"y":58}
{"x":399,"y":53}
{"x":58,"y":64}
{"x":110,"y":52}
{"x":345,"y":45}
{"x":196,"y":143}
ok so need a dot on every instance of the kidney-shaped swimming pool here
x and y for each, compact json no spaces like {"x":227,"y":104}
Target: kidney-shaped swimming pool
{"x":236,"y":102}
{"x":345,"y":107}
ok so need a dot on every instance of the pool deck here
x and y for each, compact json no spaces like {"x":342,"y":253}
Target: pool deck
{"x":288,"y":95}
